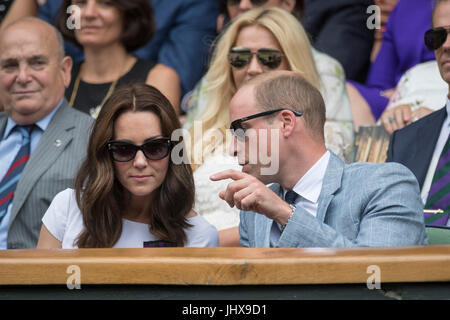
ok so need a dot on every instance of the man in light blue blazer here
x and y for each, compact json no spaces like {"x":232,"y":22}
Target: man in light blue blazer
{"x":34,"y":73}
{"x":314,"y":200}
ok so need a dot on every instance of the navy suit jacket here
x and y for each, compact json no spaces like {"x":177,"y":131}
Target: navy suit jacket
{"x":413,"y":146}
{"x":339,"y":29}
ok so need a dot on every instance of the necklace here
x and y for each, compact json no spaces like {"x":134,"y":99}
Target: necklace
{"x":94,"y":111}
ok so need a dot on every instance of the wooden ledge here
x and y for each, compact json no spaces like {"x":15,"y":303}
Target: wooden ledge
{"x":225,"y":266}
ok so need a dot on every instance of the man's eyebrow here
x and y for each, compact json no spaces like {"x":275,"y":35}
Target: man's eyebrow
{"x":7,"y":61}
{"x":38,"y":57}
{"x":32,"y":58}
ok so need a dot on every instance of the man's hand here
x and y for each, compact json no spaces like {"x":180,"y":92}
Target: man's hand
{"x":250,"y":194}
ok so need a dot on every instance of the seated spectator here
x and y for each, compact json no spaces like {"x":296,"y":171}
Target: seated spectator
{"x":419,"y":92}
{"x":184,"y":31}
{"x":107,"y":34}
{"x":424,"y":145}
{"x":330,"y":71}
{"x":128,"y":192}
{"x":401,"y":49}
{"x":386,"y":7}
{"x":339,"y":29}
{"x":43,"y":140}
{"x":329,"y":23}
{"x":258,"y":41}
{"x":314,"y":199}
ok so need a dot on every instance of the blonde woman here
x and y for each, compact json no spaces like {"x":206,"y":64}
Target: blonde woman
{"x":260,"y":40}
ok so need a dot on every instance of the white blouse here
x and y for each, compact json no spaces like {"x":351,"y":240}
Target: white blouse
{"x":64,"y":221}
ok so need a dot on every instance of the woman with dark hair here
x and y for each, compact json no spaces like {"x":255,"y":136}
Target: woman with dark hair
{"x":108,"y":31}
{"x":128,"y":192}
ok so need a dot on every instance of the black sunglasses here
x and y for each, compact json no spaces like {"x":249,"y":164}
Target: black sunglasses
{"x":435,"y":38}
{"x":254,"y":2}
{"x":153,"y":149}
{"x":239,"y":57}
{"x":236,"y":126}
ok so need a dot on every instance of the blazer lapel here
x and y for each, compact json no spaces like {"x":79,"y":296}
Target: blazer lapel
{"x":331,"y":183}
{"x":264,"y":224}
{"x":52,"y":143}
{"x":424,"y":148}
{"x":3,"y":121}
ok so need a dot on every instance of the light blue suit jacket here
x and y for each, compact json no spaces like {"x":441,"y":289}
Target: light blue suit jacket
{"x":361,"y":204}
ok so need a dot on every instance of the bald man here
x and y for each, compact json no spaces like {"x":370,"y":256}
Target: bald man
{"x":42,"y":139}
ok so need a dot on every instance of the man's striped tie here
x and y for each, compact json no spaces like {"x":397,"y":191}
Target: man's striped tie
{"x":9,"y":182}
{"x":439,"y":195}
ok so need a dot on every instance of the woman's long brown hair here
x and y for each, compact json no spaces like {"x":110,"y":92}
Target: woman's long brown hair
{"x":100,"y":196}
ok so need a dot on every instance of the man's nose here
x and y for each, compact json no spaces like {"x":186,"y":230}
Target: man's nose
{"x":24,"y":74}
{"x":237,"y":148}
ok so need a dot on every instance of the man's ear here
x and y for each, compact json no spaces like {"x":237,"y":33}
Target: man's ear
{"x":66,"y":70}
{"x":288,"y":5}
{"x":289,"y":121}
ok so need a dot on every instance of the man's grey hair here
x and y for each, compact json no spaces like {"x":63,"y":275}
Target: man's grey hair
{"x":59,"y":37}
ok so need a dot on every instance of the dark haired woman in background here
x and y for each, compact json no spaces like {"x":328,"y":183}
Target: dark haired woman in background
{"x":109,"y":31}
{"x":128,"y":192}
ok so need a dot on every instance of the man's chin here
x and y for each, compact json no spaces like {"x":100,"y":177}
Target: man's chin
{"x":256,"y":172}
{"x":23,"y":111}
{"x":25,"y":105}
{"x":252,"y":170}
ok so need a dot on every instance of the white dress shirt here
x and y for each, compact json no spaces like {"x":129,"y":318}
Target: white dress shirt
{"x":308,"y":189}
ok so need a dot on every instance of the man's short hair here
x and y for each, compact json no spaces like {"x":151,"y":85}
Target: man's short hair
{"x":288,"y":89}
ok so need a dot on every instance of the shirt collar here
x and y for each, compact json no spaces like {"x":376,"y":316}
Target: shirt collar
{"x":448,"y":108}
{"x":42,"y":124}
{"x":310,"y":185}
{"x":446,"y":123}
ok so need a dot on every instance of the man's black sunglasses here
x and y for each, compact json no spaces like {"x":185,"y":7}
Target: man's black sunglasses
{"x":254,"y":2}
{"x":236,"y":126}
{"x":435,"y":38}
{"x":153,"y":149}
{"x":239,"y":57}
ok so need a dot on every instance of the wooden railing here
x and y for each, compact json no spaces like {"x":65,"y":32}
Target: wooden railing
{"x":225,"y":266}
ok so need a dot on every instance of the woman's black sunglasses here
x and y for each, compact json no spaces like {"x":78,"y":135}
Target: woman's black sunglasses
{"x":435,"y":38}
{"x":153,"y":149}
{"x":254,"y":2}
{"x":239,"y":57}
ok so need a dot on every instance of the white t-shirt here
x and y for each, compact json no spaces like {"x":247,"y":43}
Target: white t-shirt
{"x":64,"y":221}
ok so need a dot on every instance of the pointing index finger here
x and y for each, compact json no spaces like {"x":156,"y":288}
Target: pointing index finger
{"x":227,"y":174}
